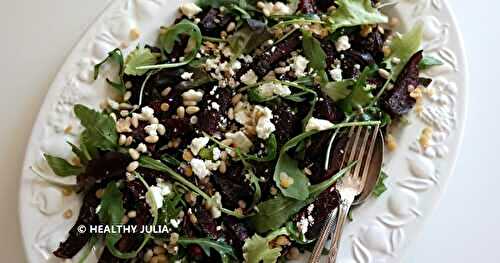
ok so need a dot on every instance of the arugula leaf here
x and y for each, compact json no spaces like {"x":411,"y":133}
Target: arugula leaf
{"x":257,"y":248}
{"x":100,"y":129}
{"x":171,"y":36}
{"x":170,"y":209}
{"x":271,"y":151}
{"x":115,"y":56}
{"x":403,"y":48}
{"x":313,"y":51}
{"x":225,"y":251}
{"x":248,"y":38}
{"x":360,"y":95}
{"x":141,"y":56}
{"x":80,"y":153}
{"x":170,"y":160}
{"x":338,"y":90}
{"x":429,"y":62}
{"x":380,"y":187}
{"x":354,"y":13}
{"x":275,"y":212}
{"x":298,"y":189}
{"x":62,"y":167}
{"x":111,"y":211}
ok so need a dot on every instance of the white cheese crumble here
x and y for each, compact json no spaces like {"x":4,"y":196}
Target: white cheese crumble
{"x":300,"y":65}
{"x":336,"y":74}
{"x":271,"y":88}
{"x":211,"y":165}
{"x":197,"y":144}
{"x":215,"y":105}
{"x":249,"y":78}
{"x":216,"y":153}
{"x":190,"y":9}
{"x":187,"y":75}
{"x":315,"y":124}
{"x":303,"y":225}
{"x":166,"y":188}
{"x":342,"y":43}
{"x":240,"y":140}
{"x":274,"y":9}
{"x":217,"y":202}
{"x":199,"y":168}
{"x":154,"y":198}
{"x":264,"y":126}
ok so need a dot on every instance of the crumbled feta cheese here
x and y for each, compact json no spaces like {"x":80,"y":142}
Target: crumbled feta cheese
{"x":154,"y":198}
{"x":211,"y":165}
{"x":175,"y":222}
{"x":166,"y":188}
{"x":199,"y":168}
{"x":264,"y":126}
{"x":342,"y":43}
{"x":190,"y":9}
{"x":216,"y":153}
{"x":215,"y":106}
{"x":240,"y":140}
{"x":303,"y":225}
{"x":192,"y":95}
{"x":336,"y":74}
{"x":315,"y":124}
{"x":249,"y":78}
{"x":187,"y":75}
{"x":147,"y":112}
{"x":270,"y":88}
{"x":241,"y":117}
{"x":217,"y":203}
{"x":197,"y":144}
{"x":300,"y":65}
{"x":274,"y":9}
{"x":151,"y":129}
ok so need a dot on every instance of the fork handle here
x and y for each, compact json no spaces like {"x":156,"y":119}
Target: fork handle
{"x":345,"y":205}
{"x":325,"y":233}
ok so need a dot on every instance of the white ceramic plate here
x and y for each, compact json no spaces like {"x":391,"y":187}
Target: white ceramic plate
{"x":382,"y":228}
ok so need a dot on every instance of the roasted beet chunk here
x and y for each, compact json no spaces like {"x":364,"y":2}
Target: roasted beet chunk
{"x":107,"y":166}
{"x":326,"y":109}
{"x":287,"y":123}
{"x":207,"y":224}
{"x":233,"y":187}
{"x":373,"y":43}
{"x":307,"y":6}
{"x":353,"y":58}
{"x":264,"y":62}
{"x":236,"y":232}
{"x":317,"y":213}
{"x":87,"y":216}
{"x":398,"y":101}
{"x":214,"y":22}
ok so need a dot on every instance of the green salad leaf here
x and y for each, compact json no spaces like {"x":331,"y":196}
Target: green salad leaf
{"x":247,"y":39}
{"x":429,"y":62}
{"x":289,"y":167}
{"x":380,"y":187}
{"x":360,"y":95}
{"x":338,"y":90}
{"x":403,"y":47}
{"x":100,"y":129}
{"x":225,"y":251}
{"x":170,"y":37}
{"x":313,"y":51}
{"x":116,"y":57}
{"x":257,"y":249}
{"x":111,"y":211}
{"x":81,"y":153}
{"x":355,"y":13}
{"x":275,"y":212}
{"x":62,"y":167}
{"x":271,"y":151}
{"x":141,"y":56}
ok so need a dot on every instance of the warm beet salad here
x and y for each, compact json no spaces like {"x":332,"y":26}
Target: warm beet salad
{"x":217,"y":134}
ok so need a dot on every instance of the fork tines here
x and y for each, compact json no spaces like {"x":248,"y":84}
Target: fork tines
{"x":359,"y":138}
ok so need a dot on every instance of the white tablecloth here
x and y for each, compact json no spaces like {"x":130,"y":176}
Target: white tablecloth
{"x":36,"y":36}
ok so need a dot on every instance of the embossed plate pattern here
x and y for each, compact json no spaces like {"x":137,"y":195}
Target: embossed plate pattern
{"x":382,"y":229}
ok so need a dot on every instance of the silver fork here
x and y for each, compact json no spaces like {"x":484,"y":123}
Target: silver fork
{"x":350,"y":186}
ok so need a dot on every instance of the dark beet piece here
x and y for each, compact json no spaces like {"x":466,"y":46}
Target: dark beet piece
{"x":178,"y":127}
{"x":87,"y":216}
{"x":398,"y":101}
{"x":209,"y":120}
{"x":323,"y":5}
{"x":323,"y":205}
{"x":326,"y":109}
{"x":373,"y":43}
{"x":264,"y":62}
{"x":330,"y":51}
{"x":107,"y":166}
{"x":337,"y":154}
{"x":233,"y":187}
{"x":307,"y":6}
{"x":236,"y":233}
{"x":213,"y":23}
{"x":287,"y":123}
{"x":207,"y":224}
{"x":353,"y":58}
